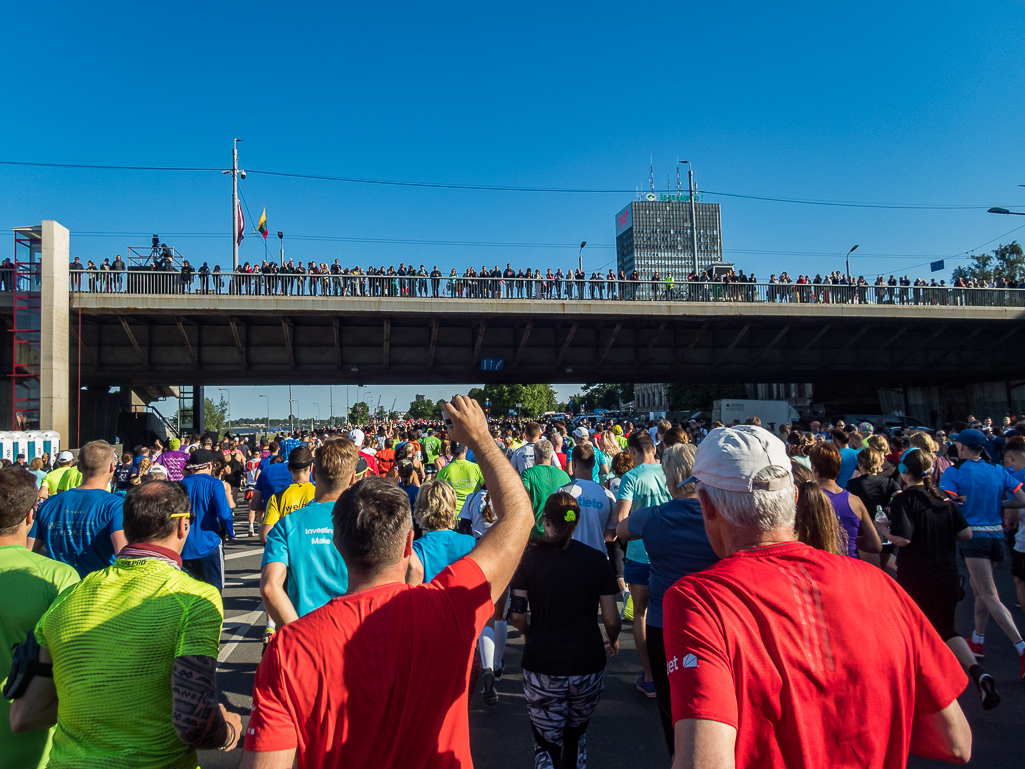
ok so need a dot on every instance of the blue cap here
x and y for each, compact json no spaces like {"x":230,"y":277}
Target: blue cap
{"x":973,"y":439}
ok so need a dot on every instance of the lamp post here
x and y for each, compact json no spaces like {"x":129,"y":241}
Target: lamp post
{"x":848,"y":260}
{"x":291,"y":417}
{"x":268,"y":413}
{"x":225,"y":389}
{"x":318,"y":414}
{"x":487,"y":408}
{"x":235,"y":173}
{"x":281,"y":237}
{"x":693,"y":213}
{"x":996,"y":210}
{"x":580,"y":256}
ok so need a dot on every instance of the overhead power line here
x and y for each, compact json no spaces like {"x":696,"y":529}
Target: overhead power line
{"x":514,"y":188}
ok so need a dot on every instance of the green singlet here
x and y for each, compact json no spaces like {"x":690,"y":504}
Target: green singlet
{"x":113,"y":640}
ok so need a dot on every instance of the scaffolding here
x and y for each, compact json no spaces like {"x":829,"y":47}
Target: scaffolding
{"x":26,"y":330}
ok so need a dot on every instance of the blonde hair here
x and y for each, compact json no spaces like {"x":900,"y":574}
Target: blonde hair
{"x":435,"y":507}
{"x":36,"y":464}
{"x":608,"y":443}
{"x":879,"y":443}
{"x":870,"y":461}
{"x":144,"y":465}
{"x":924,"y":442}
{"x":678,"y":465}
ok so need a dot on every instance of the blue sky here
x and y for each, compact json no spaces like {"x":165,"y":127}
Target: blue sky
{"x":910,"y":103}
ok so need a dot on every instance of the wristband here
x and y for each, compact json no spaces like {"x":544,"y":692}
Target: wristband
{"x":231,"y":736}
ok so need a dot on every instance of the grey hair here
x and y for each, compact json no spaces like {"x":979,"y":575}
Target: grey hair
{"x":678,"y":466}
{"x":763,"y":510}
{"x":543,"y":451}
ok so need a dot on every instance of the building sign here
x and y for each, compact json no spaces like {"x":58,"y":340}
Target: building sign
{"x":679,"y":198}
{"x":624,"y":220}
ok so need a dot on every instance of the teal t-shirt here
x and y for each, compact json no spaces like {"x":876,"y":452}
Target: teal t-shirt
{"x":643,"y":486}
{"x":438,"y":550}
{"x":304,"y":542}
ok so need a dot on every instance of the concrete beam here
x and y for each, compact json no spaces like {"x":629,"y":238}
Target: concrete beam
{"x":697,"y":337}
{"x":733,"y":344}
{"x":336,"y":326}
{"x":523,"y":342}
{"x":54,"y":322}
{"x":608,"y":345}
{"x":651,"y":342}
{"x":432,"y":343}
{"x":775,"y":340}
{"x":476,"y":345}
{"x":822,"y":332}
{"x":243,"y":358}
{"x":385,"y":351}
{"x":188,"y":344}
{"x":133,"y":340}
{"x":566,"y":344}
{"x":286,"y":328}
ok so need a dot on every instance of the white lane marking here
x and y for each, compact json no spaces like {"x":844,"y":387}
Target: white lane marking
{"x":249,"y":619}
{"x":244,"y":554}
{"x":240,"y":581}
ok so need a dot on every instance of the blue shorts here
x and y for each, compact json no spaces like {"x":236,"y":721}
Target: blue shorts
{"x":990,"y":548}
{"x":635,"y":572}
{"x":209,"y":568}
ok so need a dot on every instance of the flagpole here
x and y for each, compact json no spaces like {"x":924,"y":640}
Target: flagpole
{"x":234,"y":206}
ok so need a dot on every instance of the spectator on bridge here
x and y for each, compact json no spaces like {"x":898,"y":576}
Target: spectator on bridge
{"x":723,"y":628}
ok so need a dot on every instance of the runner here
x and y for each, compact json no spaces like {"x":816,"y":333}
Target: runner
{"x":523,"y":457}
{"x":563,"y":583}
{"x":858,"y":525}
{"x":203,"y":552}
{"x":596,"y":526}
{"x":53,"y":478}
{"x":293,"y":496}
{"x":462,"y":475}
{"x":542,"y":480}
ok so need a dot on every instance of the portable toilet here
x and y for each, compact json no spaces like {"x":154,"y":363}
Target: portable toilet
{"x":51,"y":443}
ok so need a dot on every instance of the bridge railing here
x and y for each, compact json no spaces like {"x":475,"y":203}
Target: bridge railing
{"x":158,"y":282}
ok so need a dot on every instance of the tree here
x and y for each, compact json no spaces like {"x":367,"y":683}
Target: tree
{"x":423,"y":410}
{"x":602,"y":396}
{"x":215,"y":416}
{"x":700,"y":396}
{"x":359,"y":413}
{"x":536,"y":398}
{"x":1006,"y":262}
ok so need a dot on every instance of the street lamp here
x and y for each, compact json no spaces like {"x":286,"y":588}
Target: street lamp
{"x":281,"y":237}
{"x":268,"y":413}
{"x":291,"y":414}
{"x":225,"y":389}
{"x":318,"y":413}
{"x":580,"y":256}
{"x":693,"y":212}
{"x":1004,"y":211}
{"x":848,"y":258}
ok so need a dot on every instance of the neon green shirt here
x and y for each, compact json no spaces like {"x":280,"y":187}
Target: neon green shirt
{"x":53,"y":479}
{"x":464,"y":477}
{"x":113,"y":640}
{"x":30,"y":583}
{"x":72,"y":479}
{"x":432,"y":445}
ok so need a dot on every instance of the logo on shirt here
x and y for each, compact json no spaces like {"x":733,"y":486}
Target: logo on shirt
{"x":675,"y":664}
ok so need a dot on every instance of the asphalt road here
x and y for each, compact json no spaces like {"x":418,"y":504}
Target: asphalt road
{"x":625,"y":729}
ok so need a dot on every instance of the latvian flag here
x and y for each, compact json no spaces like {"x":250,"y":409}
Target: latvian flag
{"x":262,"y":225}
{"x":241,"y":225}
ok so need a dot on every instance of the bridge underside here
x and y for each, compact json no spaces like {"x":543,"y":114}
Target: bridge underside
{"x":234,"y":340}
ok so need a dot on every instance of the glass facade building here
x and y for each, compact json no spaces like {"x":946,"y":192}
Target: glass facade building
{"x":656,"y":235}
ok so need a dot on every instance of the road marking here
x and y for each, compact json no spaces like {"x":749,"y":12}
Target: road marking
{"x":255,"y":577}
{"x":244,"y":554}
{"x":249,"y":619}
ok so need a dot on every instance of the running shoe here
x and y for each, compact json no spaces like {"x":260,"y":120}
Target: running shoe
{"x":498,"y":674}
{"x":647,"y":688}
{"x":975,"y":649}
{"x":252,"y":531}
{"x":490,"y":695}
{"x":628,"y":609}
{"x":988,"y":691}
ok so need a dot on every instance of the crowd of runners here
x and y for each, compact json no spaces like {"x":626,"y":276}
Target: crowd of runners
{"x":164,"y":276}
{"x":399,"y":556}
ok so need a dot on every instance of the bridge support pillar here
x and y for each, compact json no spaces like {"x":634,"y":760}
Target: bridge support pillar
{"x":198,"y":403}
{"x":55,"y":320}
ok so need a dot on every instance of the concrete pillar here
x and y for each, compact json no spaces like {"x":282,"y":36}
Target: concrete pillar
{"x":55,"y":322}
{"x":198,"y":404}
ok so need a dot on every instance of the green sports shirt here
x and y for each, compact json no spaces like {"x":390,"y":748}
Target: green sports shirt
{"x":113,"y":639}
{"x":464,"y":477}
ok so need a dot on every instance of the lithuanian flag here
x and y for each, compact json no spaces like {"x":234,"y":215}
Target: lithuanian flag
{"x":262,"y":224}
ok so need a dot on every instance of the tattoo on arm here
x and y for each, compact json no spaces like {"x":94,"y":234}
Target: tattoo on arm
{"x":196,"y":715}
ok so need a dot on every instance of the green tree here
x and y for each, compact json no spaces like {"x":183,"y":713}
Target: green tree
{"x":215,"y":416}
{"x":359,"y":413}
{"x":425,"y":410}
{"x":536,"y":398}
{"x":1005,"y":262}
{"x":602,"y":396}
{"x":700,"y":396}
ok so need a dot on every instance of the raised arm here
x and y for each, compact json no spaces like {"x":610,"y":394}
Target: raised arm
{"x":199,"y":721}
{"x":498,"y":552}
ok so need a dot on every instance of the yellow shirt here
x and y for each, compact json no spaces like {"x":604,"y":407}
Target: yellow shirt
{"x":284,"y":502}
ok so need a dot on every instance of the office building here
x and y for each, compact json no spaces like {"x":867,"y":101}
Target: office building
{"x":655,"y":234}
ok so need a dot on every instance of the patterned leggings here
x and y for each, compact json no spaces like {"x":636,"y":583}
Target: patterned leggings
{"x":560,"y":709}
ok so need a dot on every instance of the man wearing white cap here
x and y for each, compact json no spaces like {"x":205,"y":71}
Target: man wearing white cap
{"x":357,"y":437}
{"x":601,"y":459}
{"x":53,"y":478}
{"x":772,"y":659}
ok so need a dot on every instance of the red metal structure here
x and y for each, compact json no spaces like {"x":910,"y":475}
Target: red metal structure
{"x":26,"y":328}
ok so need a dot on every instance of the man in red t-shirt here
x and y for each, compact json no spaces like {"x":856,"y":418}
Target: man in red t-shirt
{"x":378,"y":678}
{"x":781,"y":655}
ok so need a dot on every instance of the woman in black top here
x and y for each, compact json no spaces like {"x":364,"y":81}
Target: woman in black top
{"x":563,"y":582}
{"x":875,"y":490}
{"x":926,"y":526}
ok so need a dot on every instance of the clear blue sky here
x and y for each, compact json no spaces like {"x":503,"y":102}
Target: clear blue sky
{"x":909,"y":103}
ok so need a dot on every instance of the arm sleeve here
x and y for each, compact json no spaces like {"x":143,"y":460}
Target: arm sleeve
{"x":900,"y":523}
{"x":701,"y":679}
{"x":637,"y":520}
{"x":271,"y":725}
{"x":223,"y":511}
{"x":117,"y":518}
{"x":1011,"y":484}
{"x":271,"y":515}
{"x":948,"y":481}
{"x":626,"y":488}
{"x":201,"y":629}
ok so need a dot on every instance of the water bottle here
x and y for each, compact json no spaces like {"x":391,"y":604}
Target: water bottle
{"x":880,"y":517}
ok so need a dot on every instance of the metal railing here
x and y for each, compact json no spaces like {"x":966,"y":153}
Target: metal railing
{"x":157,"y":282}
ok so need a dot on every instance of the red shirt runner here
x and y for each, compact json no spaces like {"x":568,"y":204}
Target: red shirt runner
{"x":785,"y":643}
{"x":375,"y":679}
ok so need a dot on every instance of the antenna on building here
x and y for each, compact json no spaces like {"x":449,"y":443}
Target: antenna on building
{"x":678,"y":188}
{"x":651,"y":179}
{"x":669,"y":185}
{"x":638,"y":193}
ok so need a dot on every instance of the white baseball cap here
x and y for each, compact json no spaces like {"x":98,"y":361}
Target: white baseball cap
{"x":65,"y":456}
{"x":581,"y":432}
{"x":357,"y":437}
{"x":730,"y":458}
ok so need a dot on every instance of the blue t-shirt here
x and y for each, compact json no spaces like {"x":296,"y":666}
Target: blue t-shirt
{"x":287,"y":445}
{"x":412,"y":490}
{"x":76,"y":526}
{"x":304,"y":541}
{"x":983,"y":485}
{"x":212,"y":515}
{"x":273,"y":478}
{"x":848,"y":464}
{"x":438,"y":550}
{"x":674,"y":537}
{"x":600,"y":458}
{"x":642,"y":486}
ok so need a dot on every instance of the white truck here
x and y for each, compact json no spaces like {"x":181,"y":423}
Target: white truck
{"x":772,"y":413}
